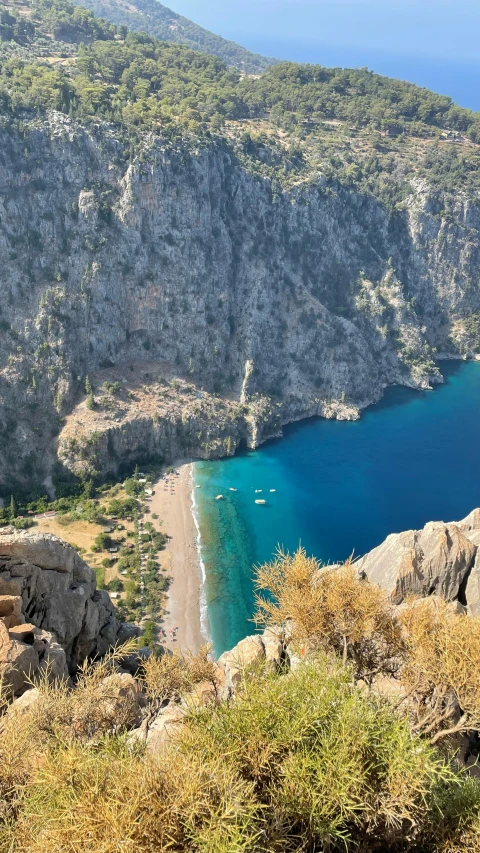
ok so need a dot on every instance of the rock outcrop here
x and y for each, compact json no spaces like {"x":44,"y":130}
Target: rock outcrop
{"x":309,"y":301}
{"x":442,"y":559}
{"x":52,"y":616}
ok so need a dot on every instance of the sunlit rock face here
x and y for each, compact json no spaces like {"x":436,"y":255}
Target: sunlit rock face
{"x":180,"y":263}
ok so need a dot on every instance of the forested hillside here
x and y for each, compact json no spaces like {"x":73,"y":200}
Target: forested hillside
{"x":294,"y":242}
{"x":356,"y":126}
{"x":157,"y":20}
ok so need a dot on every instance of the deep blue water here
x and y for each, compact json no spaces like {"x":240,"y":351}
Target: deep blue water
{"x":341,"y":487}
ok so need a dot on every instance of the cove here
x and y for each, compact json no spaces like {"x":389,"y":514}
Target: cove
{"x":340,"y":487}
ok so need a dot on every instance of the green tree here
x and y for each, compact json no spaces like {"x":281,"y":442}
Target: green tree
{"x":13,"y":508}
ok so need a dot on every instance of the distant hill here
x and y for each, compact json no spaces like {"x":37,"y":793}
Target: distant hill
{"x":157,"y":20}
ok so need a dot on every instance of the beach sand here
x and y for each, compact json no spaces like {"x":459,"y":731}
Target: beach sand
{"x":180,"y":559}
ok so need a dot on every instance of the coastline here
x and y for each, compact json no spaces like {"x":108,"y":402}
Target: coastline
{"x":186,"y":609}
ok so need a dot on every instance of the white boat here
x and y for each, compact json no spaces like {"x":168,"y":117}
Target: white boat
{"x":219,"y":498}
{"x":261,"y":502}
{"x":232,"y":489}
{"x":258,"y":491}
{"x":273,"y":490}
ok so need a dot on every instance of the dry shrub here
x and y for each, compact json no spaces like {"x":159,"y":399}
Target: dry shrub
{"x":93,"y":708}
{"x":442,"y":673}
{"x":332,"y":767}
{"x":110,"y":801}
{"x":168,"y":677}
{"x":299,"y":762}
{"x":331,"y":609}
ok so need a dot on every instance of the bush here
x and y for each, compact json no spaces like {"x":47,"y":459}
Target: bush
{"x":304,"y":762}
{"x":149,"y":633}
{"x":103,"y":541}
{"x":115,"y":585}
{"x":442,"y":682}
{"x":100,"y":574}
{"x":121,"y":509}
{"x":333,"y":610}
{"x":133,"y":487}
{"x":23,"y":523}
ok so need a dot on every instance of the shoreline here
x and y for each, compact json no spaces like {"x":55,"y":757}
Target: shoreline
{"x":186,"y":608}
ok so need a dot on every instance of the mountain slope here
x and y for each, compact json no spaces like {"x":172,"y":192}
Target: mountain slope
{"x":228,"y":254}
{"x":157,"y":20}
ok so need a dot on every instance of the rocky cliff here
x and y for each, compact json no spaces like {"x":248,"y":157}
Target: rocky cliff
{"x":52,"y":617}
{"x":443,"y":559}
{"x":280,"y":303}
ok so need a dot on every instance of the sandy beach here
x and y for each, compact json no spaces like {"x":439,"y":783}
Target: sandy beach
{"x":172,"y":503}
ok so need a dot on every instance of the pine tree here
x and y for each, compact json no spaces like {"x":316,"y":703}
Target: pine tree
{"x":13,"y":508}
{"x":89,"y":393}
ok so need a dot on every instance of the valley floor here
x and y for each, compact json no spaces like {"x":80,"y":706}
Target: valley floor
{"x":172,"y":503}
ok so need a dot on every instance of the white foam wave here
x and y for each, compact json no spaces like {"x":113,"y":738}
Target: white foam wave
{"x":204,"y":620}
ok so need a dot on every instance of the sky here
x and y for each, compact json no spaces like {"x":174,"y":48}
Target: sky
{"x":430,"y":42}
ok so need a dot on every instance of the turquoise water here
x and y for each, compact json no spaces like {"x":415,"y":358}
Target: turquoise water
{"x":340,"y":487}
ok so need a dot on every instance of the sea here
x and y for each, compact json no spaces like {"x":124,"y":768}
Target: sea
{"x":336,"y":488}
{"x":433,"y":43}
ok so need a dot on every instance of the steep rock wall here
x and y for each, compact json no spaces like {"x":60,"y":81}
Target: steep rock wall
{"x":316,"y":298}
{"x":56,"y":592}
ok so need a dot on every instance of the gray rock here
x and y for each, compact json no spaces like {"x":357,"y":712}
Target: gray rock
{"x":127,"y":631}
{"x":58,"y":595}
{"x":435,"y":560}
{"x":18,"y":662}
{"x":164,"y":728}
{"x":472,"y":591}
{"x":273,"y":643}
{"x":199,"y":264}
{"x":246,"y":655}
{"x":24,"y":703}
{"x":11,"y":610}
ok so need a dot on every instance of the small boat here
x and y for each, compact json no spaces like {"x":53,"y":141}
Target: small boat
{"x":261,"y":502}
{"x":219,"y":498}
{"x":273,"y":490}
{"x":232,"y":489}
{"x":258,"y":491}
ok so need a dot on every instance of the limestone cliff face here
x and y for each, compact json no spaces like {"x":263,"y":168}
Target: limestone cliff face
{"x":310,"y":301}
{"x":45,"y":585}
{"x":443,"y":560}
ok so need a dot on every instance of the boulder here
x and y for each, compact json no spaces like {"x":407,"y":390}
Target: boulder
{"x":273,"y":643}
{"x":471,"y":523}
{"x":56,"y":591}
{"x":121,"y":698}
{"x":470,"y":527}
{"x":435,"y":560}
{"x":127,"y":631}
{"x":246,"y":655}
{"x":472,"y":591}
{"x":164,"y":728}
{"x":133,"y":663}
{"x":11,"y":610}
{"x":53,"y":659}
{"x":18,"y":662}
{"x":24,"y":633}
{"x":24,"y":703}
